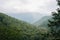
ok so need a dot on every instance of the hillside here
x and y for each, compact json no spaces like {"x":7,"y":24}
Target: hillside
{"x":10,"y":21}
{"x":43,"y":22}
{"x":14,"y":29}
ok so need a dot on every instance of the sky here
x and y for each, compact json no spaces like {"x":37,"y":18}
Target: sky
{"x":29,"y":8}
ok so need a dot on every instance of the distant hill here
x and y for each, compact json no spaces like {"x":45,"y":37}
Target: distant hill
{"x":43,"y":22}
{"x":26,"y":16}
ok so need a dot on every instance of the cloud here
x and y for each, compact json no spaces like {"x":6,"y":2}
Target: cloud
{"x":35,"y":9}
{"x":18,"y":6}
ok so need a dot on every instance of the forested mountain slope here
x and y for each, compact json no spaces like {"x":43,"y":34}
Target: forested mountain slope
{"x":43,"y":22}
{"x":14,"y":29}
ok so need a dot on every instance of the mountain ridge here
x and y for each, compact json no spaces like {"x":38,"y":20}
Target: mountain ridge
{"x":43,"y":22}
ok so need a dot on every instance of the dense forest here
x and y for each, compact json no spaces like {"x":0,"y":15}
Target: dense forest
{"x":15,"y":29}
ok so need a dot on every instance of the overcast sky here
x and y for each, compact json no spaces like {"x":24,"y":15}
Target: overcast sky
{"x":18,"y":6}
{"x":44,"y":7}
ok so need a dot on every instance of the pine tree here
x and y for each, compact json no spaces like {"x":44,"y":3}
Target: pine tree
{"x":55,"y":24}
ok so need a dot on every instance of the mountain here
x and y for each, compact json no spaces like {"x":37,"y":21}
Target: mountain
{"x":26,"y":16}
{"x":14,"y":29}
{"x":8,"y":21}
{"x":43,"y":22}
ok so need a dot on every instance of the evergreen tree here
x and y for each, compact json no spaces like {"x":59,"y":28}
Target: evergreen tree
{"x":55,"y":24}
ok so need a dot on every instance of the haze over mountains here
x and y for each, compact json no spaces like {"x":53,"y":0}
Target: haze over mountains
{"x":38,"y":20}
{"x":28,"y":17}
{"x":43,"y":22}
{"x":26,"y":9}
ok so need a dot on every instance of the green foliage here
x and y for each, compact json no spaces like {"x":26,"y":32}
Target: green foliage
{"x":14,"y":29}
{"x":8,"y":34}
{"x":55,"y":25}
{"x":58,"y":2}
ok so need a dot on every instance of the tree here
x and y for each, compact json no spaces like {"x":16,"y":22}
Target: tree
{"x":55,"y":24}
